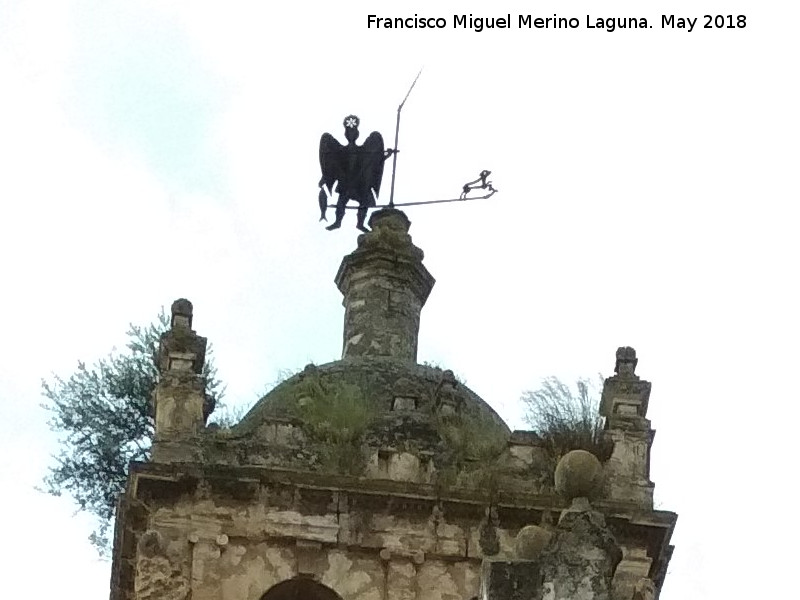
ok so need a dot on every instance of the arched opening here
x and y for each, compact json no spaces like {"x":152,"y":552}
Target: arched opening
{"x":300,"y":588}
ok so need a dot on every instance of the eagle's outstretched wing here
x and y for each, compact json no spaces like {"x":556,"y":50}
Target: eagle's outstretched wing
{"x":332,"y":161}
{"x":372,"y":158}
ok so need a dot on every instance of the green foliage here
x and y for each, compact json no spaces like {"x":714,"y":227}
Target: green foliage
{"x":474,"y":446}
{"x":104,"y":416}
{"x":430,"y":364}
{"x":567,"y":419}
{"x":337,"y":415}
{"x":472,"y":439}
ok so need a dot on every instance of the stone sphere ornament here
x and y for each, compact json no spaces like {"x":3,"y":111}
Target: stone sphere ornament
{"x":578,"y":475}
{"x":530,"y":542}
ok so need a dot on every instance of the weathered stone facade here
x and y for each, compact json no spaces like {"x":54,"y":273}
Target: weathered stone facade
{"x":375,"y":478}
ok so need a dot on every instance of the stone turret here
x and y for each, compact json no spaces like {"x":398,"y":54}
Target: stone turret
{"x":181,"y":407}
{"x":624,"y":406}
{"x":385,"y":286}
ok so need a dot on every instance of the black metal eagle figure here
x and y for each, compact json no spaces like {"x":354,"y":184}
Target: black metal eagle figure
{"x":355,"y":171}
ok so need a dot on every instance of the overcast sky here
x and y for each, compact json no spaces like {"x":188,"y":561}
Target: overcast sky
{"x":152,"y":150}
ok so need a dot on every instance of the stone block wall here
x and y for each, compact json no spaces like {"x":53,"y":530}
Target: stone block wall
{"x":235,"y":539}
{"x":223,"y":549}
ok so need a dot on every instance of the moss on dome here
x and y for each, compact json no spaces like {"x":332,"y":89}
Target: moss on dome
{"x":347,"y":407}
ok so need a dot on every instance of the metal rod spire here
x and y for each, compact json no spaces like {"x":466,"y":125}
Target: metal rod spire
{"x":484,"y":197}
{"x":396,"y":136}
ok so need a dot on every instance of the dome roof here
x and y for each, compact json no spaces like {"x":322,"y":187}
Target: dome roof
{"x":392,"y":402}
{"x":375,"y":411}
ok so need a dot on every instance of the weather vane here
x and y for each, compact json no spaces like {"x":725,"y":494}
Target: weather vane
{"x":355,"y":172}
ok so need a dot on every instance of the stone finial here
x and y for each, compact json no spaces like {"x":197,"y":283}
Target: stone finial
{"x":582,"y":554}
{"x":530,"y":542}
{"x":181,"y":314}
{"x":626,"y":362}
{"x":624,"y":404}
{"x":449,"y":378}
{"x":180,"y":348}
{"x":578,"y":475}
{"x":385,"y":285}
{"x":181,"y":404}
{"x":625,"y":394}
{"x":448,"y":400}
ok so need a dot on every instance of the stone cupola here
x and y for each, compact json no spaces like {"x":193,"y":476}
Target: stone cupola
{"x":385,"y":285}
